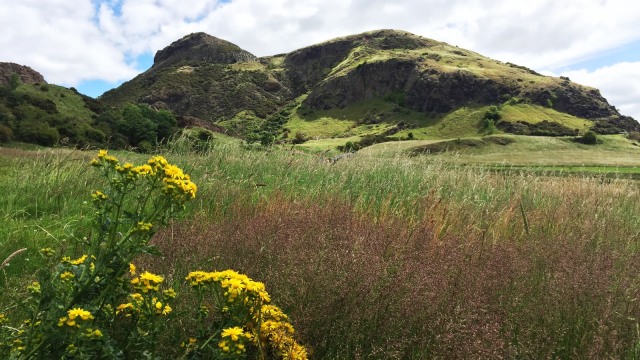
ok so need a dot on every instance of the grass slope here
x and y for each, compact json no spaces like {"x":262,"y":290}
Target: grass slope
{"x":330,"y":128}
{"x":68,"y":103}
{"x":613,"y":151}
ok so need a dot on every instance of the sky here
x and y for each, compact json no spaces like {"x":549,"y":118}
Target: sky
{"x":95,"y":45}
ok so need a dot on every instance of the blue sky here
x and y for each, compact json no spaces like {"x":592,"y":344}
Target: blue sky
{"x":95,"y":45}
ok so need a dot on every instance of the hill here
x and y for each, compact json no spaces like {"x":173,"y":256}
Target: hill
{"x":384,"y":84}
{"x":33,"y":111}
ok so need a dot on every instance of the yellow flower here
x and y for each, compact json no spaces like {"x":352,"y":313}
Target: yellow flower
{"x":123,"y":308}
{"x":173,"y":172}
{"x":79,"y":313}
{"x":143,"y":170}
{"x":102,"y":153}
{"x":169,"y":294}
{"x":223,"y":345}
{"x":233,"y":332}
{"x":142,"y":226}
{"x":67,"y":275}
{"x":34,"y":288}
{"x":147,"y":281}
{"x":158,"y":161}
{"x":77,"y":261}
{"x":3,"y":318}
{"x":167,"y":310}
{"x":48,"y":252}
{"x":132,"y":269}
{"x":94,"y":333}
{"x":111,"y":159}
{"x":124,"y":168}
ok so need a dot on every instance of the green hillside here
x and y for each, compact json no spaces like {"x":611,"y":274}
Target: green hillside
{"x":362,"y":89}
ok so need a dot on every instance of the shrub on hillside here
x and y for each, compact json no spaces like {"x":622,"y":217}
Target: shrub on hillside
{"x":36,"y":132}
{"x":6,"y":134}
{"x":589,"y":138}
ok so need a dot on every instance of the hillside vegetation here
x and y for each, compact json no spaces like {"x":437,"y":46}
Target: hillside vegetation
{"x":48,"y":115}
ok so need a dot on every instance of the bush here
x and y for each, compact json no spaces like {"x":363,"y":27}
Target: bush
{"x":589,"y":138}
{"x":39,"y":133}
{"x":634,"y":135}
{"x":6,"y":134}
{"x":300,"y":138}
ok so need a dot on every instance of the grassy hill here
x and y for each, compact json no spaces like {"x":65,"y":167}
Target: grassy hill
{"x":379,"y":84}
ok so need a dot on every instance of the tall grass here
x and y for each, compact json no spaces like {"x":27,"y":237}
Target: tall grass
{"x":383,"y":258}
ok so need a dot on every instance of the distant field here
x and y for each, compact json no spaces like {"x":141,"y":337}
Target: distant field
{"x":614,"y":152}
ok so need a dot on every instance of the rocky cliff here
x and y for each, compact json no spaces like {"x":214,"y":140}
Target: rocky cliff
{"x":26,"y":74}
{"x":201,"y":47}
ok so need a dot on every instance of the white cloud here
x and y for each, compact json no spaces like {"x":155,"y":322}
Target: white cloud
{"x":71,"y":41}
{"x":619,"y":83}
{"x":60,"y":40}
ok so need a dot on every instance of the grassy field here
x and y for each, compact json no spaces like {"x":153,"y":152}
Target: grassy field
{"x":380,"y":255}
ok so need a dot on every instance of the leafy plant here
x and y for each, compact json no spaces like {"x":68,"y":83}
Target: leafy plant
{"x":97,"y":305}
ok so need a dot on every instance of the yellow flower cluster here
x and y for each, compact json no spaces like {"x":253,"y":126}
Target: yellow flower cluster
{"x":103,"y":156}
{"x":125,"y":168}
{"x":93,"y":333}
{"x":137,"y":304}
{"x":160,"y":308}
{"x":47,"y":252}
{"x":275,"y":330}
{"x":169,"y":294}
{"x":176,"y":183}
{"x":34,"y":288}
{"x":3,"y":318}
{"x":126,"y":308}
{"x":143,"y":226}
{"x":234,"y":340}
{"x":99,"y":196}
{"x":77,"y":261}
{"x":147,"y":282}
{"x":67,"y":275}
{"x":73,"y":315}
{"x":234,"y":284}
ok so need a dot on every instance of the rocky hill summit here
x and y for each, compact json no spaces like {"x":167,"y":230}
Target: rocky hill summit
{"x":26,"y":74}
{"x":216,"y":81}
{"x":201,"y":47}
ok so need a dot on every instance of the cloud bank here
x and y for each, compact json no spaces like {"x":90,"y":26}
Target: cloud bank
{"x":75,"y":41}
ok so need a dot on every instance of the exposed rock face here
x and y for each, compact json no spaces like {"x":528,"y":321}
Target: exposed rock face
{"x":365,"y":82}
{"x":201,"y":47}
{"x":27,"y":75}
{"x":310,"y":65}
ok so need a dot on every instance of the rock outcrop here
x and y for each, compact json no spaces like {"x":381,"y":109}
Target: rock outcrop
{"x":26,"y":74}
{"x":201,"y":47}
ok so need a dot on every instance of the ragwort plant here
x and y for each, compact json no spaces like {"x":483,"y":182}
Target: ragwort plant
{"x":98,"y":305}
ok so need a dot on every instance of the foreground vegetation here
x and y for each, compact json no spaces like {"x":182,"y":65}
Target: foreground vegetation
{"x":372,"y":257}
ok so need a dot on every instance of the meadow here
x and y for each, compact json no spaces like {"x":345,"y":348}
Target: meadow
{"x":375,"y":257}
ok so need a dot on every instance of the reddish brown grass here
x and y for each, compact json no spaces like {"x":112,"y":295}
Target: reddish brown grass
{"x":393,"y":289}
